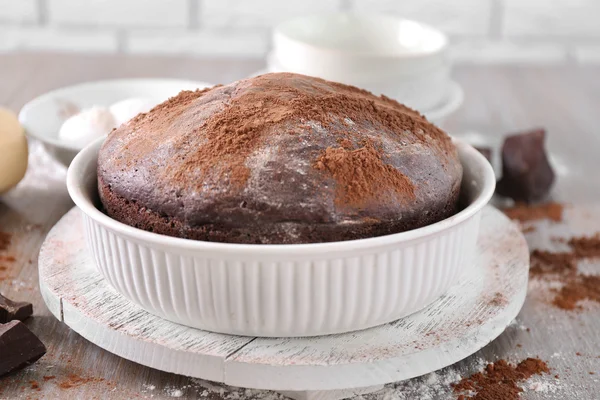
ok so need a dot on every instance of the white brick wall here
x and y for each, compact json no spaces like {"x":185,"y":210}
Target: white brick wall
{"x":122,"y":13}
{"x":493,"y":52}
{"x":481,"y":31}
{"x":50,"y":39}
{"x":587,"y":54}
{"x":18,"y":11}
{"x":462,"y":17}
{"x":226,"y":44}
{"x":552,"y":18}
{"x":259,"y":13}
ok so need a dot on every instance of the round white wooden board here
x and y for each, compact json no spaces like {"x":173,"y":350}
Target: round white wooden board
{"x":470,"y":315}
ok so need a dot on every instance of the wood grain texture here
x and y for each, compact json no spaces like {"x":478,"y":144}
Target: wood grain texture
{"x":565,"y":100}
{"x":472,"y":313}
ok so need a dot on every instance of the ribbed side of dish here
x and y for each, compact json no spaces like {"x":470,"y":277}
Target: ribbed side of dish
{"x":279,"y":295}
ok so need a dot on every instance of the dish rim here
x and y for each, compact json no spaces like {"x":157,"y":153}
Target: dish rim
{"x":77,"y":180}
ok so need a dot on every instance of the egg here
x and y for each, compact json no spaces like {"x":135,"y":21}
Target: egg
{"x":90,"y":124}
{"x":13,"y":150}
{"x":126,"y":109}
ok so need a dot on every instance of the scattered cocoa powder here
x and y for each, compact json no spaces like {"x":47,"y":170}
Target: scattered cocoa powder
{"x":75,"y":380}
{"x":546,"y":262}
{"x":528,"y":229}
{"x":5,"y":239}
{"x":34,"y":385}
{"x":500,"y":380}
{"x":48,"y":377}
{"x":3,"y":268}
{"x":562,"y":266}
{"x":498,"y":300}
{"x":362,"y":175}
{"x":581,"y":287}
{"x":8,"y":259}
{"x":586,"y":246}
{"x":523,"y":212}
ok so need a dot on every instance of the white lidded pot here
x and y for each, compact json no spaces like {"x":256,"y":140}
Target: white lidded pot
{"x":402,"y":59}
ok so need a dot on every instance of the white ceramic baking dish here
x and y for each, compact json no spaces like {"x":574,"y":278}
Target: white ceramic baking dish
{"x":283,"y":290}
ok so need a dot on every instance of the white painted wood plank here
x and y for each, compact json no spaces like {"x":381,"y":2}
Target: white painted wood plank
{"x":101,"y":315}
{"x":455,"y":326}
{"x":463,"y":320}
{"x":330,"y":394}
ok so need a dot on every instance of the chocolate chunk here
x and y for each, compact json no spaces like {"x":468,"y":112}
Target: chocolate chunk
{"x":10,"y":310}
{"x":486,"y":151}
{"x":527,"y":175}
{"x":19,"y":347}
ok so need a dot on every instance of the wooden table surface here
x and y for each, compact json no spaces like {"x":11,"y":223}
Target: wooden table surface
{"x":564,"y":100}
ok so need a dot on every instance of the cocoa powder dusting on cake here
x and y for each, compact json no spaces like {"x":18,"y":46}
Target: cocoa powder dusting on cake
{"x":362,"y":175}
{"x":525,"y":213}
{"x":245,"y":120}
{"x":500,"y":380}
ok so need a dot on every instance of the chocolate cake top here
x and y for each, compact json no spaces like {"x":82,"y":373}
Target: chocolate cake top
{"x":281,"y":147}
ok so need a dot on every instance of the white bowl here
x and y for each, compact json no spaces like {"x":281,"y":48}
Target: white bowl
{"x":403,"y":59}
{"x":283,"y":290}
{"x":43,"y":116}
{"x":349,"y":45}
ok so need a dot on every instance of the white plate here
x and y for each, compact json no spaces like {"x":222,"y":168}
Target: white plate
{"x":43,"y":116}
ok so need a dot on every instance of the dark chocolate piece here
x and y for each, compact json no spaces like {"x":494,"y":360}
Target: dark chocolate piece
{"x":19,"y":347}
{"x":527,"y":175}
{"x":11,"y":310}
{"x":486,"y":152}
